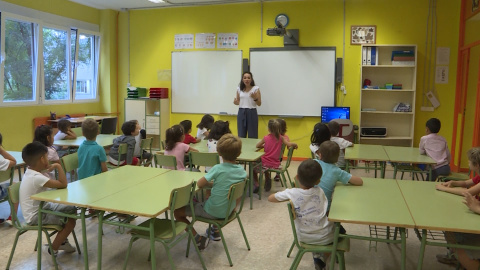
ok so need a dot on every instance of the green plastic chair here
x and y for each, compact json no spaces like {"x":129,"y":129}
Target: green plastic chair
{"x":165,"y":160}
{"x":122,"y":150}
{"x":14,"y":198}
{"x":70,"y":164}
{"x":414,"y":170}
{"x":454,"y":176}
{"x":169,"y":232}
{"x":146,"y":145}
{"x":342,"y":247}
{"x":203,"y":159}
{"x":282,"y":170}
{"x":7,"y":175}
{"x":236,"y":192}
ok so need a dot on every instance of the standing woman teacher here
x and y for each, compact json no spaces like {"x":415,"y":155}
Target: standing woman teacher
{"x":248,"y":98}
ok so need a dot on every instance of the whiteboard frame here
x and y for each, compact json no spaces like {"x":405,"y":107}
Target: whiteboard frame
{"x":281,"y":49}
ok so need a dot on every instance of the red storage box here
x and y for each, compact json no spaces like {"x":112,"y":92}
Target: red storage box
{"x":158,"y":92}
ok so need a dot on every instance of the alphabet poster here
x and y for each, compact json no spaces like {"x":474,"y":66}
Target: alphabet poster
{"x":227,"y":41}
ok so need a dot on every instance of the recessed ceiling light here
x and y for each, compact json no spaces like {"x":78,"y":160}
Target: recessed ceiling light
{"x":157,"y":1}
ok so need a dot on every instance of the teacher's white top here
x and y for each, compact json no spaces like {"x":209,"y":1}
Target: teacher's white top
{"x":246,"y":101}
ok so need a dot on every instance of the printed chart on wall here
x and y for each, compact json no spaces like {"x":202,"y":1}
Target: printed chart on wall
{"x":227,"y":41}
{"x":205,"y":41}
{"x":183,"y":41}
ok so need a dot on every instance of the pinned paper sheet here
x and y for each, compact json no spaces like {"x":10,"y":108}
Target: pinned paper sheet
{"x":164,"y":75}
{"x":441,"y":74}
{"x":433,"y":99}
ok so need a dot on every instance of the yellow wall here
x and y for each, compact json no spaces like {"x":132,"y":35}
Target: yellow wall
{"x":16,"y":123}
{"x":320,"y":23}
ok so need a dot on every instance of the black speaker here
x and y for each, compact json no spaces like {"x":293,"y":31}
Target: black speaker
{"x":338,"y":70}
{"x":245,"y":65}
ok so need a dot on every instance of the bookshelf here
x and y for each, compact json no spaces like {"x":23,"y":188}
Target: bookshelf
{"x":393,"y":65}
{"x":152,"y":115}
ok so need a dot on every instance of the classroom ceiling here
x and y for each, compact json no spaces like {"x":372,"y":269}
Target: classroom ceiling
{"x":145,"y":4}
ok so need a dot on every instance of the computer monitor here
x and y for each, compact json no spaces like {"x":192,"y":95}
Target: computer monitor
{"x":329,"y":113}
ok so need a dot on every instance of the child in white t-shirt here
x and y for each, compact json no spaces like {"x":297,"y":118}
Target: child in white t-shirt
{"x":311,"y":204}
{"x":204,"y":126}
{"x":219,"y":128}
{"x":7,"y":161}
{"x":342,"y":143}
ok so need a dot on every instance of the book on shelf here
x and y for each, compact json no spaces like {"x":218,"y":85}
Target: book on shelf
{"x":374,"y":56}
{"x":369,"y":56}
{"x":364,"y":56}
{"x":403,"y":63}
{"x":403,"y":58}
{"x":403,"y":54}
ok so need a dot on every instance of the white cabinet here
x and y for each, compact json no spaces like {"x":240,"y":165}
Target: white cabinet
{"x":152,"y":114}
{"x":394,"y":65}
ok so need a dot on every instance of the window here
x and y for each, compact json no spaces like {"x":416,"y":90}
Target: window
{"x":46,"y":63}
{"x":18,"y":68}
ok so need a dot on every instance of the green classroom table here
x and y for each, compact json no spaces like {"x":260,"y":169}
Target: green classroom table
{"x":249,"y":155}
{"x":377,"y":202}
{"x":149,"y":198}
{"x":102,"y":140}
{"x":400,"y":154}
{"x":85,"y":192}
{"x":367,"y":152}
{"x":436,"y":210}
{"x":20,"y":163}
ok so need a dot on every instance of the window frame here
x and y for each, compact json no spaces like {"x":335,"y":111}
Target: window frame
{"x":38,"y":65}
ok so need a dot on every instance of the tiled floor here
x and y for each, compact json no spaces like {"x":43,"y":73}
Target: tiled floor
{"x":268,"y":230}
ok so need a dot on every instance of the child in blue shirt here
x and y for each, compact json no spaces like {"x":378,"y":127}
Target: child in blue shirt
{"x":91,"y":156}
{"x":219,"y":178}
{"x":328,"y":153}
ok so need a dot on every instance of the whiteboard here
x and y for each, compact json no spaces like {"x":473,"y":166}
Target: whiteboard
{"x":294,"y":81}
{"x":205,"y":81}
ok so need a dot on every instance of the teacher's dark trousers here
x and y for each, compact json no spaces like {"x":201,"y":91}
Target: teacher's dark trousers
{"x":247,"y":122}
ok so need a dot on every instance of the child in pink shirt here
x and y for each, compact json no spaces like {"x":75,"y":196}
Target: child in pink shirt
{"x":436,"y":147}
{"x":174,"y":146}
{"x":272,"y":144}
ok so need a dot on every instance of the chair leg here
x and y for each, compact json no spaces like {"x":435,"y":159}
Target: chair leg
{"x":243,"y":232}
{"x":76,"y":242}
{"x":291,"y":249}
{"x":260,"y":185}
{"x":283,"y":180}
{"x":225,"y":246}
{"x":190,"y":236}
{"x":297,"y":260}
{"x":289,"y":178}
{"x":50,"y":246}
{"x":341,"y":260}
{"x":128,"y":252}
{"x":13,"y":249}
{"x":167,"y":250}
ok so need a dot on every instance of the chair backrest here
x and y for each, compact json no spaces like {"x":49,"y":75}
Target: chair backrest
{"x":236,"y":192}
{"x":203,"y":159}
{"x":165,"y":160}
{"x":293,"y":216}
{"x":109,"y":126}
{"x":282,"y":151}
{"x":163,"y":144}
{"x":179,"y":198}
{"x":77,"y":131}
{"x":69,"y":162}
{"x":146,"y":144}
{"x":7,"y":175}
{"x":13,"y":199}
{"x":289,"y":157}
{"x":122,"y":152}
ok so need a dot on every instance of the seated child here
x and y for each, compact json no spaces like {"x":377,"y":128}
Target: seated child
{"x":219,"y":128}
{"x":436,"y":147}
{"x":204,"y":126}
{"x":471,"y":186}
{"x":92,"y":159}
{"x":138,"y":140}
{"x":334,"y":128}
{"x":311,"y":204}
{"x":328,"y":153}
{"x":283,"y":130}
{"x":7,"y":161}
{"x":35,"y":156}
{"x":65,"y":131}
{"x":470,"y":259}
{"x":320,"y":134}
{"x":219,"y":178}
{"x":272,"y":144}
{"x":174,"y":146}
{"x":130,"y":129}
{"x":44,"y":135}
{"x":187,"y":128}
